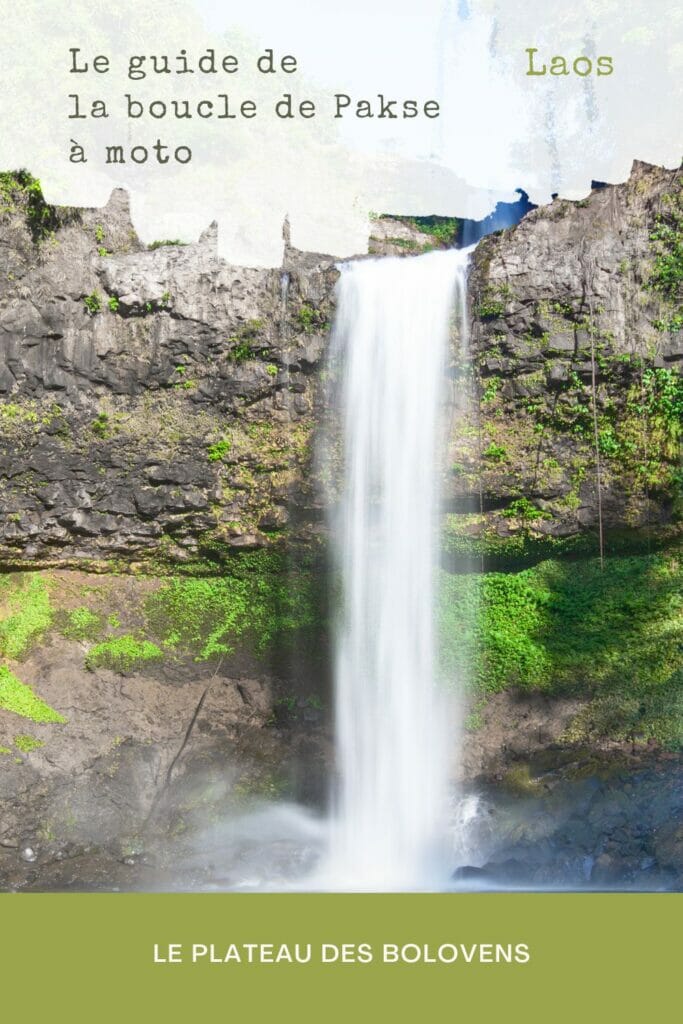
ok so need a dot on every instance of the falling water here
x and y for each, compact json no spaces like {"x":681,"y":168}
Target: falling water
{"x":392,"y":728}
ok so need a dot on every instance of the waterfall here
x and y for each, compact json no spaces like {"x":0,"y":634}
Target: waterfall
{"x":392,"y":726}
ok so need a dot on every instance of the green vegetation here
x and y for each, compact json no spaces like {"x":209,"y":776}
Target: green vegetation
{"x":113,"y":304}
{"x":20,"y":190}
{"x":489,"y":309}
{"x":26,"y":613}
{"x":404,"y":243}
{"x":160,"y":242}
{"x":27,"y":743}
{"x":101,"y":425}
{"x":639,"y":424}
{"x":271,"y":370}
{"x":572,"y":628}
{"x":93,"y":303}
{"x":122,"y":654}
{"x":25,"y":616}
{"x":245,"y":342}
{"x":217,"y":452}
{"x":495,"y":452}
{"x":525,"y":547}
{"x":491,"y":389}
{"x":242,"y":351}
{"x":522,"y":508}
{"x":19,"y":698}
{"x":444,"y":230}
{"x":311,"y":319}
{"x":82,"y":624}
{"x":257,"y":600}
{"x":666,"y":241}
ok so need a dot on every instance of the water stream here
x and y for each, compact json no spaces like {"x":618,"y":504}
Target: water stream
{"x":393,"y":728}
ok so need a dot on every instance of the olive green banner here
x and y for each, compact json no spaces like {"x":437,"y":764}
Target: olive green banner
{"x":523,"y":957}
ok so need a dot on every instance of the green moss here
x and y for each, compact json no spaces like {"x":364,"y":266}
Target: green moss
{"x":259,"y":600}
{"x":123,"y":654}
{"x":27,"y":743}
{"x":519,"y":782}
{"x":19,"y":698}
{"x":82,"y":624}
{"x":615,"y":634}
{"x":26,"y":615}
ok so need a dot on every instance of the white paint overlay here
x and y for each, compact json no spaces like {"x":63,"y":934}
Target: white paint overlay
{"x":499,"y":129}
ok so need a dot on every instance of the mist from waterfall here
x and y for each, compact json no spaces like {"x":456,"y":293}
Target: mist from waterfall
{"x":393,"y":726}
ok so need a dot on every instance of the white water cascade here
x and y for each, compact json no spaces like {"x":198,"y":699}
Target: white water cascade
{"x":393,"y":729}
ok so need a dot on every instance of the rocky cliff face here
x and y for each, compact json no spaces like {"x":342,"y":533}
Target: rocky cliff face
{"x":151,"y":401}
{"x":577,"y":339}
{"x":161,"y":404}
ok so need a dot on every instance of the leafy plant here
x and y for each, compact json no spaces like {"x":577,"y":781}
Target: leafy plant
{"x":216,"y":452}
{"x":92,"y":303}
{"x":20,"y":187}
{"x":242,"y":351}
{"x":489,"y":309}
{"x":491,"y":389}
{"x":311,"y":319}
{"x":522,"y":508}
{"x":101,"y":426}
{"x":495,"y":452}
{"x":667,"y":242}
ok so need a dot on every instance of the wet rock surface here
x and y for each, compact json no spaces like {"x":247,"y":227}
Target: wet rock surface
{"x":578,"y":823}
